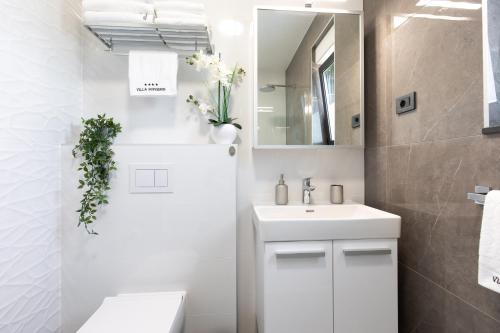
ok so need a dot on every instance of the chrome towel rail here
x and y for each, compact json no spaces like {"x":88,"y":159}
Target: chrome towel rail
{"x":175,"y":38}
{"x":479,"y":194}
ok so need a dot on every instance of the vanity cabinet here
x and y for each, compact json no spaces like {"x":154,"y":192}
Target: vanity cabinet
{"x":298,"y":287}
{"x":326,"y":268}
{"x":365,"y":283}
{"x":341,"y":286}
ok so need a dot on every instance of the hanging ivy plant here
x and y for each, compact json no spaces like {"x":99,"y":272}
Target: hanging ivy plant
{"x":94,"y":148}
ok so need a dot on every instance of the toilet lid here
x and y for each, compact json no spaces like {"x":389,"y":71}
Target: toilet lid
{"x":132,"y":313}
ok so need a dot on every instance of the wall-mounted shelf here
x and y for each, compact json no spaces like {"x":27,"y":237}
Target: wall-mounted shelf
{"x":179,"y":39}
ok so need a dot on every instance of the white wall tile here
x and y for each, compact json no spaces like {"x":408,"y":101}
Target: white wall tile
{"x":40,"y":96}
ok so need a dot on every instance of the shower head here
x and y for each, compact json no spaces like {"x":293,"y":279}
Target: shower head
{"x":268,"y":88}
{"x":272,"y":87}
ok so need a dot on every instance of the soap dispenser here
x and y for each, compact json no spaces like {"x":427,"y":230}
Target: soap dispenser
{"x":281,"y":197}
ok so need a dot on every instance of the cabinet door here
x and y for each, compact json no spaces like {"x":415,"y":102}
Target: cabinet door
{"x":365,"y":286}
{"x":298,"y":287}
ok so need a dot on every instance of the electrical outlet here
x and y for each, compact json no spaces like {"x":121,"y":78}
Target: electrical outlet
{"x":356,"y":121}
{"x":406,"y":103}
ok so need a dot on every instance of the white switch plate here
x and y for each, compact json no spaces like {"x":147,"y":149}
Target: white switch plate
{"x":151,"y":178}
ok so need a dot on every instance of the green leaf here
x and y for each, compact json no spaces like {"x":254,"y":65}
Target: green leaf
{"x":94,"y":148}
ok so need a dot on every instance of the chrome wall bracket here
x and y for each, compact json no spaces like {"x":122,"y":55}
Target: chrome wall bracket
{"x":479,"y":194}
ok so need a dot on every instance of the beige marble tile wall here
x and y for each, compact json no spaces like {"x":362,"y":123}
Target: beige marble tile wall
{"x":420,"y":165}
{"x":347,"y":87}
{"x":298,"y":74}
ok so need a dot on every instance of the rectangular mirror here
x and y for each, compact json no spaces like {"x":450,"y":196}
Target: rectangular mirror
{"x":491,"y":65}
{"x":309,"y":78}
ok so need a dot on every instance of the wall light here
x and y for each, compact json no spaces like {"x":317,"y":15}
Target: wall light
{"x":449,"y":4}
{"x":442,"y":17}
{"x":231,"y":28}
{"x":398,"y":20}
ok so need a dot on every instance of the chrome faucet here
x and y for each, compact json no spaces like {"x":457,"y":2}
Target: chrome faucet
{"x":307,"y":188}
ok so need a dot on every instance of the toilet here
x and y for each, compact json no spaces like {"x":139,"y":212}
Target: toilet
{"x":131,"y":313}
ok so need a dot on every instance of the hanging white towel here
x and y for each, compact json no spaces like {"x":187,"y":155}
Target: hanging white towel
{"x":489,"y":244}
{"x":192,"y":7}
{"x":153,"y":73}
{"x":191,"y":22}
{"x":116,"y":18}
{"x":179,"y":14}
{"x":128,"y":6}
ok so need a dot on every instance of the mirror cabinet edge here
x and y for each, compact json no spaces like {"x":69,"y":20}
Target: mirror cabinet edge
{"x":255,"y":89}
{"x":487,"y":129}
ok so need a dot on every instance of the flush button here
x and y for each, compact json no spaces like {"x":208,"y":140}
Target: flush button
{"x":144,"y":178}
{"x":161,"y":178}
{"x":151,"y":178}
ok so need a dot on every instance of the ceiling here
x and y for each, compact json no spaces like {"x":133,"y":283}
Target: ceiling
{"x":279,"y":36}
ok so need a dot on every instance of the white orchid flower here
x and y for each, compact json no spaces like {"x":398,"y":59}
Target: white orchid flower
{"x":220,"y":73}
{"x":222,"y":79}
{"x":204,"y":108}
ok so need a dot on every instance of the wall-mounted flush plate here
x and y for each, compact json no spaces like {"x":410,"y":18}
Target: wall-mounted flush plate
{"x":151,"y":178}
{"x":406,"y":103}
{"x":356,"y":121}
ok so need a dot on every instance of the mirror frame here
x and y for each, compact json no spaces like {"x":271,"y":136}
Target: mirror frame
{"x":255,"y":88}
{"x":487,"y":129}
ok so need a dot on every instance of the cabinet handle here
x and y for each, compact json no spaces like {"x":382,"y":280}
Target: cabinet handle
{"x":366,"y":252}
{"x":300,"y":253}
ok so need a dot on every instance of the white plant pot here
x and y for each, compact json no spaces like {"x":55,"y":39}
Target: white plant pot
{"x":224,"y":134}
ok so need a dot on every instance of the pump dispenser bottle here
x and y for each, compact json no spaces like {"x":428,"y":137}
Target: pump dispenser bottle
{"x":281,"y":197}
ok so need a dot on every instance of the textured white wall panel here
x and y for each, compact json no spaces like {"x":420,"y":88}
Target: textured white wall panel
{"x":40,"y":96}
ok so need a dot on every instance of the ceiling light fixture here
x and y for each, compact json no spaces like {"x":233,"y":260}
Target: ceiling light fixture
{"x":449,"y":4}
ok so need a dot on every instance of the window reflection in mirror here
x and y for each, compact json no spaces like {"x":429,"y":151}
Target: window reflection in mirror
{"x":327,"y":80}
{"x":308,"y":78}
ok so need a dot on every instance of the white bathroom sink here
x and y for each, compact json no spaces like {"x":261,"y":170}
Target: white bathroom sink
{"x":322,"y":222}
